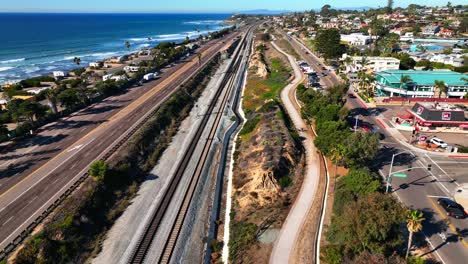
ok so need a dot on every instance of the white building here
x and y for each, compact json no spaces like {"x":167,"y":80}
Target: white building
{"x":119,"y":78}
{"x":59,"y":74}
{"x":454,"y":59}
{"x":356,"y":39}
{"x":374,"y":64}
{"x":131,"y":68}
{"x":107,"y":77}
{"x":95,"y":64}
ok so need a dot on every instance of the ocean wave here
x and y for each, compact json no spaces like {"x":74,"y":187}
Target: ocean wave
{"x":5,"y":68}
{"x":204,"y":22}
{"x":14,"y":60}
{"x":32,"y":69}
{"x":98,"y":55}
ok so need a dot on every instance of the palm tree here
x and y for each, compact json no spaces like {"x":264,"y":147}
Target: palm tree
{"x":51,"y":96}
{"x":77,"y":60}
{"x":337,"y":155}
{"x":199,"y":58}
{"x":440,"y":86}
{"x":127,"y":44}
{"x":403,"y":80}
{"x":414,"y":220}
{"x":364,"y":62}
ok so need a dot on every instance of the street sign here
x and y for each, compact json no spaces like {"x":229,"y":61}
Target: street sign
{"x":400,"y":175}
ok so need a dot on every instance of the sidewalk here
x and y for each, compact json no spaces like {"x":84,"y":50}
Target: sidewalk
{"x":291,"y":228}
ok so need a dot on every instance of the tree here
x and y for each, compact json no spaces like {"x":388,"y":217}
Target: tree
{"x":403,"y":80}
{"x":414,"y":220}
{"x":327,"y":42}
{"x":325,"y":10}
{"x":29,"y":110}
{"x":3,"y":133}
{"x":372,"y":223}
{"x":406,"y":62}
{"x":127,"y":44}
{"x":98,"y":169}
{"x":337,"y":154}
{"x":51,"y":96}
{"x":361,"y":148}
{"x":389,"y":7}
{"x":69,"y":98}
{"x":77,"y":60}
{"x":440,"y":86}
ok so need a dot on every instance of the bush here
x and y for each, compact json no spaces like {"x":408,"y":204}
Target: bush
{"x":463,"y":149}
{"x":249,"y":126}
{"x":98,"y":169}
{"x":242,"y":236}
{"x":285,"y":182}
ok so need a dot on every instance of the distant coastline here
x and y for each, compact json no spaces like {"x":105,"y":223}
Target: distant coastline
{"x":92,"y":37}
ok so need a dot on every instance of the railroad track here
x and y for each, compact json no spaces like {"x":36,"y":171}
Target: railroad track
{"x":106,"y":155}
{"x":145,"y":241}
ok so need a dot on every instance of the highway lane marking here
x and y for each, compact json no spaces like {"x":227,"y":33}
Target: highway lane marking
{"x":442,"y":170}
{"x":438,"y":196}
{"x":32,"y":200}
{"x":75,"y":148}
{"x":37,"y":182}
{"x":425,"y":236}
{"x":9,"y":219}
{"x":449,"y":223}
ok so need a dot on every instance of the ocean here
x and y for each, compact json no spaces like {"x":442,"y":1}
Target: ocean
{"x":37,"y":44}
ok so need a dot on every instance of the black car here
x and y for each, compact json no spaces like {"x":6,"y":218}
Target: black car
{"x":350,"y":95}
{"x":452,"y":208}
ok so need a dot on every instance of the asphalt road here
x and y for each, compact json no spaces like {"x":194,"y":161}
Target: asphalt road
{"x":36,"y":172}
{"x":447,"y":237}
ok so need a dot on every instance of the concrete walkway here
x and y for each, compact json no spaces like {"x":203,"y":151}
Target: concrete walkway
{"x":291,"y":228}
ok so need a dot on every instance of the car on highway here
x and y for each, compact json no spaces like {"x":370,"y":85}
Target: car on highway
{"x":452,"y":208}
{"x":324,"y":74}
{"x":439,"y":142}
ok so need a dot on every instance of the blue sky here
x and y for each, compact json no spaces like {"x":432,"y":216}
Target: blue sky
{"x":190,"y":5}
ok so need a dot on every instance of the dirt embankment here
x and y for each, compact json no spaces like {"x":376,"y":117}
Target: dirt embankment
{"x":268,"y":161}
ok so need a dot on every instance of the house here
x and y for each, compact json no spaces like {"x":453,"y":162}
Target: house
{"x":398,"y":30}
{"x":144,"y":52}
{"x":446,"y":33}
{"x":131,"y":68}
{"x":59,"y":75}
{"x":356,"y":39}
{"x":96,"y":64}
{"x":374,"y":64}
{"x":329,"y":25}
{"x":430,"y":30}
{"x":107,"y":77}
{"x":119,"y":78}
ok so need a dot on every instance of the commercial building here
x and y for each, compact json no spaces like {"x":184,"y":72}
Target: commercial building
{"x":387,"y":83}
{"x":433,"y":115}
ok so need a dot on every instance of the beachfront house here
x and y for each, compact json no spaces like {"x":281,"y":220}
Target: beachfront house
{"x":107,"y":77}
{"x":422,"y":84}
{"x":131,"y":68}
{"x":59,"y":75}
{"x":119,"y":78}
{"x":96,"y":65}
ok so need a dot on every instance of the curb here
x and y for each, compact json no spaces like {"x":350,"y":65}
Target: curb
{"x":381,"y":123}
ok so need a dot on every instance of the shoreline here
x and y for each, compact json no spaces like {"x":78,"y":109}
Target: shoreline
{"x":14,"y":69}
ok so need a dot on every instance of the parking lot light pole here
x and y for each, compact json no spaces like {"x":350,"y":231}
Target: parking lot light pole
{"x":389,"y":177}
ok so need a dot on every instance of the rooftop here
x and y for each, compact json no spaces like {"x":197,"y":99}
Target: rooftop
{"x":425,"y":77}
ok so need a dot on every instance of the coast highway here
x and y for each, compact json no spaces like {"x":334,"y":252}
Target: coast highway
{"x":35,"y":172}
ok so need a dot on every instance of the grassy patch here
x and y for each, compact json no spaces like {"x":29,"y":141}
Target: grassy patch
{"x":242,"y":236}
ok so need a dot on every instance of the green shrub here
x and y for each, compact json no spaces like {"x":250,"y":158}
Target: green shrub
{"x":242,"y":236}
{"x":249,"y":126}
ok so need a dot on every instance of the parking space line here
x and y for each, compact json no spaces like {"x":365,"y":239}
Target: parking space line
{"x":452,"y":227}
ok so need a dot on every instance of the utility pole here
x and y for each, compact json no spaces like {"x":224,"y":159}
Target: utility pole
{"x":389,"y":177}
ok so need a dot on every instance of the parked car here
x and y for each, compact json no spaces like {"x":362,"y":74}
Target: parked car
{"x":452,"y":208}
{"x":350,"y":95}
{"x":439,"y":142}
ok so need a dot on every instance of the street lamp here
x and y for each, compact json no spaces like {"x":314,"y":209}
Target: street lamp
{"x":355,"y":125}
{"x":389,"y":177}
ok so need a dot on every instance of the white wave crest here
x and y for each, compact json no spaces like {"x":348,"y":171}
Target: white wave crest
{"x":10,"y":61}
{"x":5,"y":68}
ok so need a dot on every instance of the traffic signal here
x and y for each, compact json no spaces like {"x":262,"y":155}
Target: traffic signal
{"x":429,"y":167}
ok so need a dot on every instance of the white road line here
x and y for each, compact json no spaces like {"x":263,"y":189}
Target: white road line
{"x":438,"y":196}
{"x":442,"y":170}
{"x":9,"y":219}
{"x":45,"y":176}
{"x":32,"y":200}
{"x":437,"y":179}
